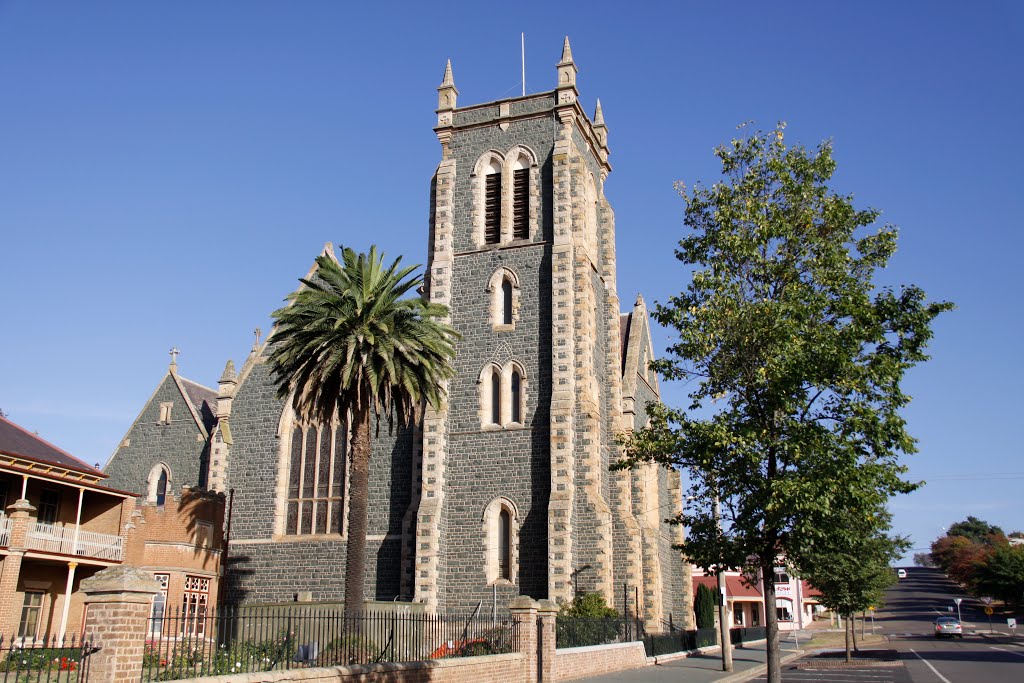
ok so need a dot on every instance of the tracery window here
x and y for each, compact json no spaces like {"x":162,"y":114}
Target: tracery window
{"x":316,"y":480}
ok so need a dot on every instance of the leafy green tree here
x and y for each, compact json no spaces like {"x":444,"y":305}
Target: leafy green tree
{"x":587,"y":606}
{"x":349,"y":347}
{"x":586,"y":620}
{"x":1002,"y":575}
{"x":704,"y":607}
{"x":923,"y":560}
{"x":853,"y":569}
{"x":783,"y":330}
{"x":976,"y":530}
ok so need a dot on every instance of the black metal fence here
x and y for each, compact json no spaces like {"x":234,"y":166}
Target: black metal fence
{"x":50,"y":660}
{"x":683,"y":641}
{"x":582,"y":631}
{"x":185,"y":644}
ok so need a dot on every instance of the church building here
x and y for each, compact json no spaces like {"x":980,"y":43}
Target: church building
{"x":504,"y":491}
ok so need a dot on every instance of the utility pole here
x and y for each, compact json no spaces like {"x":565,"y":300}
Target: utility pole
{"x":723,"y":626}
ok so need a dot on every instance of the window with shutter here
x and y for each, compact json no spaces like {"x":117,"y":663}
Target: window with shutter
{"x":492,"y":209}
{"x":521,"y":204}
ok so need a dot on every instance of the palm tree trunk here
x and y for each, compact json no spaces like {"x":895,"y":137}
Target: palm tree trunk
{"x":358,"y":501}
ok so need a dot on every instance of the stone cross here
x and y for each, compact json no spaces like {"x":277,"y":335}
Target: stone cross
{"x":174,"y":355}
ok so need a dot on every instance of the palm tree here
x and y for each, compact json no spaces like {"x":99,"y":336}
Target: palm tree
{"x":349,"y":346}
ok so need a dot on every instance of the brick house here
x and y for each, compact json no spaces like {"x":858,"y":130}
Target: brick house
{"x":62,"y":524}
{"x":506,"y":490}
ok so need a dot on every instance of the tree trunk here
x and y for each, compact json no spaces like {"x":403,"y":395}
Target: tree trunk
{"x":771,"y":622}
{"x":853,"y":629}
{"x":846,"y":633}
{"x":358,"y":501}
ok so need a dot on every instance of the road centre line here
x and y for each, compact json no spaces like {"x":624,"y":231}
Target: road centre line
{"x":1019,"y":654}
{"x":934,"y":670}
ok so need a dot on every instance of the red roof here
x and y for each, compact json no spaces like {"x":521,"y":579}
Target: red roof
{"x":809,"y":591}
{"x":735,"y":586}
{"x":17,"y":441}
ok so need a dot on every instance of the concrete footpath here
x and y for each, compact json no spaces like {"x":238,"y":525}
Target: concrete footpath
{"x":747,"y":662}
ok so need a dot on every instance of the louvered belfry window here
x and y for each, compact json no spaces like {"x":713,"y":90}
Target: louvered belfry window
{"x":492,"y":209}
{"x":521,"y":204}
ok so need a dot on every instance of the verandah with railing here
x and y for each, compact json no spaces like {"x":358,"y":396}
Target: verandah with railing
{"x":188,"y":643}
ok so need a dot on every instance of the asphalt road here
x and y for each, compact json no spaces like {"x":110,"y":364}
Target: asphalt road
{"x":911,"y":608}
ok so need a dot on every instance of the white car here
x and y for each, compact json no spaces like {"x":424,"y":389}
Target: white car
{"x":901,"y":573}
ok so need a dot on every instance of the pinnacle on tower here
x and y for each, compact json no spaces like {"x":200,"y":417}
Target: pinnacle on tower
{"x":599,"y":127}
{"x":447,"y":92}
{"x":566,"y":52}
{"x":567,"y":92}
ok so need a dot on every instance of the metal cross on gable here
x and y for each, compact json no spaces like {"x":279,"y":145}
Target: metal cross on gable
{"x":174,"y":355}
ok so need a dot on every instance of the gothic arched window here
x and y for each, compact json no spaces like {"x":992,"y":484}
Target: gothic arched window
{"x":501,"y":541}
{"x":495,"y":398}
{"x":316,"y":480}
{"x":492,"y":204}
{"x":506,"y":301}
{"x":158,"y":480}
{"x":516,"y":396}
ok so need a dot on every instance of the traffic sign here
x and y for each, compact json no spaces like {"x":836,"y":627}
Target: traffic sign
{"x":1011,"y":622}
{"x":988,"y":610}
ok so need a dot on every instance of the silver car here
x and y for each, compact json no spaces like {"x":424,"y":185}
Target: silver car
{"x":948,"y":626}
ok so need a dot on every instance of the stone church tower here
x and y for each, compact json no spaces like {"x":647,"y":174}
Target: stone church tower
{"x":522,"y":250}
{"x":506,"y":490}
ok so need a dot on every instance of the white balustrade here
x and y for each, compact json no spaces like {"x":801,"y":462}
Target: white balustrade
{"x":52,"y":538}
{"x":5,"y":531}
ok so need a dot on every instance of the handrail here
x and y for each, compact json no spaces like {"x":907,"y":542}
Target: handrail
{"x":60,"y":539}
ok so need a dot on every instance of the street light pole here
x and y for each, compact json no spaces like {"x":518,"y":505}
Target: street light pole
{"x":723,"y":627}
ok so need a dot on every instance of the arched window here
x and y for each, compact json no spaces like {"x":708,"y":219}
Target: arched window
{"x":506,"y":301}
{"x":521,"y":199}
{"x":158,"y":480}
{"x":492,"y":204}
{"x":517,"y":396}
{"x":495,"y":397}
{"x":501,"y":541}
{"x":503,"y":289}
{"x":505,"y":544}
{"x":316,"y":480}
{"x":161,"y":487}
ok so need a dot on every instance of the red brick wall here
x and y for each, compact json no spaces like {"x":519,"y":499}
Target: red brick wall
{"x":581,"y":662}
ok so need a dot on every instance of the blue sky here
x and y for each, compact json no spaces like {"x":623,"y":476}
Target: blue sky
{"x":168,"y":170}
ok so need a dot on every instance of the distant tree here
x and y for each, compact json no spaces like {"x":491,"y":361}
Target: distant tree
{"x":923,"y":560}
{"x":704,"y":607}
{"x":783,"y":328}
{"x":976,"y":530}
{"x":1002,"y":575}
{"x":852,"y":569}
{"x":2,"y":413}
{"x":1016,"y":534}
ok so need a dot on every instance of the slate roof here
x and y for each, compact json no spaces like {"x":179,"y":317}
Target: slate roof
{"x":205,"y":401}
{"x":17,"y":441}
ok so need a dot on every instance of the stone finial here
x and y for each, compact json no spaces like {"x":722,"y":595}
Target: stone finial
{"x":229,"y":374}
{"x":566,"y":87}
{"x":639,"y":300}
{"x":447,"y":93}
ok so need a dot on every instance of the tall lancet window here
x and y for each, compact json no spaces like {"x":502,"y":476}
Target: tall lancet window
{"x":495,"y":398}
{"x":504,"y":545}
{"x":506,"y":301}
{"x":492,"y":204}
{"x":517,"y":396}
{"x":521,"y":199}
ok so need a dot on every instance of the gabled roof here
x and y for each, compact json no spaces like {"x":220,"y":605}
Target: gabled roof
{"x":735,"y":586}
{"x":16,"y":441}
{"x":635,"y":338}
{"x":203,"y":399}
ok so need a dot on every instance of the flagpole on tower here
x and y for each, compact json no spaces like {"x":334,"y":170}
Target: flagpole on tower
{"x":522,"y":44}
